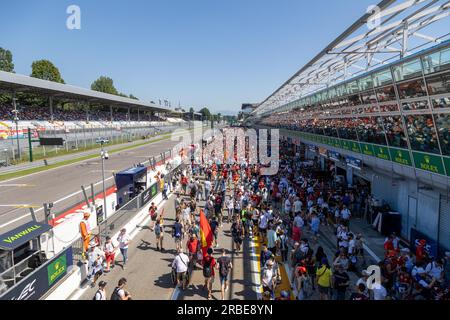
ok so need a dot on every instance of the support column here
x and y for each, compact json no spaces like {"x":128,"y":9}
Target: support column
{"x":50,"y":100}
{"x":111,"y":113}
{"x":139,"y":116}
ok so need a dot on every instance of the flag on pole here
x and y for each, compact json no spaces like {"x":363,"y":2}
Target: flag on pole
{"x":206,"y":236}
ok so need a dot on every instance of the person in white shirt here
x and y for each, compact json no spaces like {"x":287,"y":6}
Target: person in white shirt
{"x":124,"y":241}
{"x":298,"y":221}
{"x":345,"y":215}
{"x":435,"y":269}
{"x":297,"y":205}
{"x":379,"y":292}
{"x":101,"y":292}
{"x":230,"y":207}
{"x":180,"y":265}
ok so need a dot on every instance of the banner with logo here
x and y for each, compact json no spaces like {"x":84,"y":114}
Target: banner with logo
{"x":431,"y":246}
{"x":353,"y":162}
{"x":39,"y":282}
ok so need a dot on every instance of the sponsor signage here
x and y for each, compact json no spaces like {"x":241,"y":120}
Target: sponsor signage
{"x":51,"y":141}
{"x":323,"y":152}
{"x":41,"y":280}
{"x":367,"y":149}
{"x":16,"y":237}
{"x":381,"y":152}
{"x":353,"y":162}
{"x":345,"y":144}
{"x":400,"y":156}
{"x":333,"y":155}
{"x":447,"y":165}
{"x":99,"y":212}
{"x":354,"y":146}
{"x":428,"y":162}
{"x":431,"y":246}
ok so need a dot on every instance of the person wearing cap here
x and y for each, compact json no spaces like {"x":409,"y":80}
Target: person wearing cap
{"x":85,"y":231}
{"x":284,"y":295}
{"x":268,"y":277}
{"x":301,"y":280}
{"x":101,"y":292}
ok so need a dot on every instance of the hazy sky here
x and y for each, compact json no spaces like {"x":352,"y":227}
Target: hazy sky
{"x":215,"y":53}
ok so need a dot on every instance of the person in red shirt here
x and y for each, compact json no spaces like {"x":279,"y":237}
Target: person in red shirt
{"x":184,"y":183}
{"x":209,"y":264}
{"x":192,"y":247}
{"x":420,"y":250}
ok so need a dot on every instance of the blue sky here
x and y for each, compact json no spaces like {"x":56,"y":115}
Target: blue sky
{"x":215,"y":53}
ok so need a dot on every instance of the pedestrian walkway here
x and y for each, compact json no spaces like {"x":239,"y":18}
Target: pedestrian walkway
{"x":240,"y":284}
{"x":147,"y":270}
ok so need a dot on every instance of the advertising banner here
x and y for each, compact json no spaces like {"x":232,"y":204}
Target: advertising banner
{"x":39,"y":282}
{"x":353,"y":162}
{"x":431,"y":246}
{"x":336,"y":156}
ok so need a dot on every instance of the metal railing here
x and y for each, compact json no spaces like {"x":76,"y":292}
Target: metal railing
{"x":19,"y":271}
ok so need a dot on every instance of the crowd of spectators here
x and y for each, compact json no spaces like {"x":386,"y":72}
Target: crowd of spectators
{"x":37,"y":113}
{"x":370,"y":128}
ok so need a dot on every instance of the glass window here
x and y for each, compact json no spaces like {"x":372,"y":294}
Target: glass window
{"x":395,"y":132}
{"x":382,"y":78}
{"x":347,"y":129}
{"x":386,"y":94}
{"x":443,"y":127}
{"x":439,"y":84}
{"x":365,"y":83}
{"x":422,"y":134}
{"x":411,"y":89}
{"x":441,"y":103}
{"x":352,"y":87}
{"x":332,"y":93}
{"x":341,"y":90}
{"x":408,"y":70}
{"x":437,"y":61}
{"x":389,"y":107}
{"x":415,"y":105}
{"x":370,"y":130}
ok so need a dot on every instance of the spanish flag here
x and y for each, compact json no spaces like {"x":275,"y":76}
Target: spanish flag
{"x":206,"y":236}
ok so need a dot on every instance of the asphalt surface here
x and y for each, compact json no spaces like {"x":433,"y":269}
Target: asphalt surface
{"x":55,"y":185}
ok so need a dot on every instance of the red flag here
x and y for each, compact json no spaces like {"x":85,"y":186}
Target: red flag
{"x":206,"y":236}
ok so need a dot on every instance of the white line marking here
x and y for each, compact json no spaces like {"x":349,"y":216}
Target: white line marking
{"x":17,"y":185}
{"x":55,"y":202}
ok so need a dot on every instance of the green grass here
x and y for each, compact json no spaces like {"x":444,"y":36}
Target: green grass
{"x":25,"y":172}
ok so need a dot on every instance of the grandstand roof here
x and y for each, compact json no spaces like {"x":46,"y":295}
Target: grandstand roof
{"x":15,"y":82}
{"x":395,"y":30}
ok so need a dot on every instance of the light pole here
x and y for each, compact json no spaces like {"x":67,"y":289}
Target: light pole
{"x":104,"y":155}
{"x":16,"y":120}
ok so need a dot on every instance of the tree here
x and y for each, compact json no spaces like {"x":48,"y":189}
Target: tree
{"x":205,"y":113}
{"x":46,"y":70}
{"x":191,"y":110}
{"x":104,"y":84}
{"x":133,"y":97}
{"x":6,"y":60}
